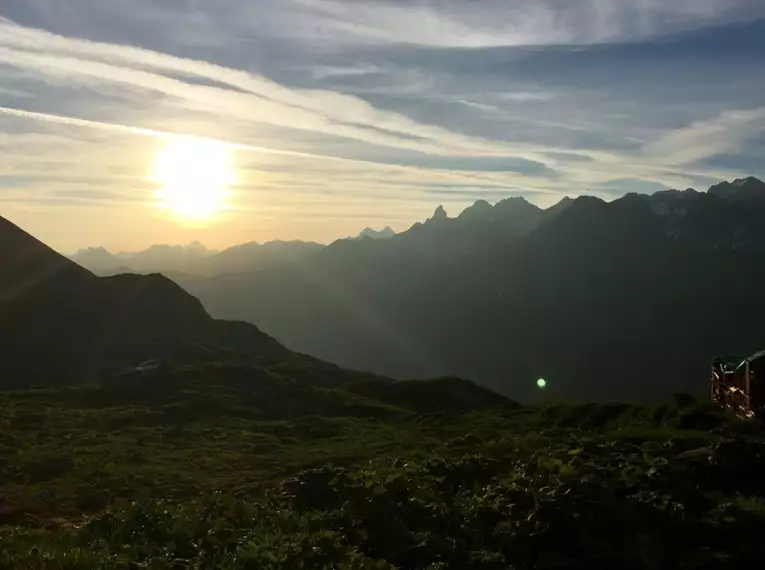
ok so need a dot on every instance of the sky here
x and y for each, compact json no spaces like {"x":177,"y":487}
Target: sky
{"x":341,"y":114}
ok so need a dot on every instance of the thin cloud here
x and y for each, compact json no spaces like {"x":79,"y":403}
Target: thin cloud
{"x":255,"y":98}
{"x":77,"y":122}
{"x":493,"y":23}
{"x":725,"y":133}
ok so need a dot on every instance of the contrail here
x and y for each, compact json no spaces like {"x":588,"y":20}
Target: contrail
{"x":61,"y":120}
{"x":116,"y":127}
{"x":77,"y":122}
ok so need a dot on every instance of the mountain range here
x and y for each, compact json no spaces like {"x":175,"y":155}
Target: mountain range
{"x":196,"y":259}
{"x":628,"y":299}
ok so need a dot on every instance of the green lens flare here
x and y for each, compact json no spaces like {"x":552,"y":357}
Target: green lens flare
{"x":542,"y":383}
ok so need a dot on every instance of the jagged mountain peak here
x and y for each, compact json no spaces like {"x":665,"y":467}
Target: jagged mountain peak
{"x":95,"y":257}
{"x":518,"y":205}
{"x":477,"y":209}
{"x":439,"y":214}
{"x":588,"y":201}
{"x":98,"y":249}
{"x":687,"y":194}
{"x":369,"y":233}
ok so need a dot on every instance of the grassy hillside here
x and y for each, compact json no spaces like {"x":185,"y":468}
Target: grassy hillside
{"x":240,"y":467}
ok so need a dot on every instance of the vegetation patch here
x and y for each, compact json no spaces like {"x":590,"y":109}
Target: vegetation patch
{"x":96,"y":483}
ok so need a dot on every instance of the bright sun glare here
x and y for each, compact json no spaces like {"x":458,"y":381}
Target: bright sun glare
{"x":193,"y":177}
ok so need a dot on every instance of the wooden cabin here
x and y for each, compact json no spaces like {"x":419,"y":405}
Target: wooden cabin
{"x":739,"y":384}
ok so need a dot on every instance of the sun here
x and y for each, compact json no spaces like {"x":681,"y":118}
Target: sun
{"x":193,"y":176}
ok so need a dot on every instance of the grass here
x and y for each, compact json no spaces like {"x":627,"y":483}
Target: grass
{"x":227,"y":468}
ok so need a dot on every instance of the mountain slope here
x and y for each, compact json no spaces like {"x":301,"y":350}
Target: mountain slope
{"x":59,"y":323}
{"x":28,"y":264}
{"x":622,"y":300}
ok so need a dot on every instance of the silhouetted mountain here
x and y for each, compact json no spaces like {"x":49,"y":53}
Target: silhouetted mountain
{"x":628,"y":299}
{"x":443,"y":237}
{"x":439,"y":215}
{"x":59,"y":323}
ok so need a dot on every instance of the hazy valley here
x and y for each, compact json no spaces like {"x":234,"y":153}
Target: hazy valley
{"x":587,"y":294}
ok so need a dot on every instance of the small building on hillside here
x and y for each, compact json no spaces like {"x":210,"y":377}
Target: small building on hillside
{"x":739,"y":384}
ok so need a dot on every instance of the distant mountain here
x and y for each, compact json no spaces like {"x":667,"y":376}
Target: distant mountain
{"x":157,"y":258}
{"x":385,"y":233}
{"x":194,"y":259}
{"x":622,"y":300}
{"x":96,"y":259}
{"x":163,"y":258}
{"x":250,"y":256}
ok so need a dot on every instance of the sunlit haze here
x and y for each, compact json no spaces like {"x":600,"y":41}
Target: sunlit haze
{"x":193,"y":176}
{"x":125,"y":124}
